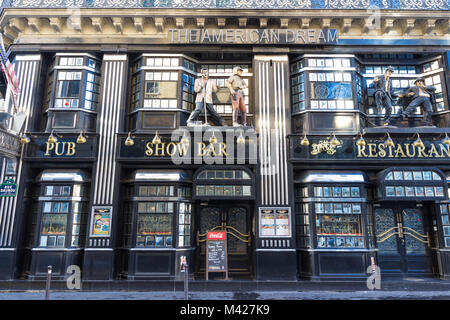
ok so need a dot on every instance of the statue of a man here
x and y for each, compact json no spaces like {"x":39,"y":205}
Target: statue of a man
{"x":421,"y":96}
{"x":204,"y":87}
{"x":236,"y":85}
{"x":383,"y":95}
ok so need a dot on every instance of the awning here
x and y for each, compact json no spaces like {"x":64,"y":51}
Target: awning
{"x":67,"y":175}
{"x":312,"y":176}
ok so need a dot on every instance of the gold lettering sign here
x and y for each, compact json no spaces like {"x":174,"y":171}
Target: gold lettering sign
{"x":180,"y":149}
{"x":60,"y":148}
{"x":402,"y":151}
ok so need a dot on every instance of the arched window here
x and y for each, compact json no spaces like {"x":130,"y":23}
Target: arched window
{"x":222,"y":183}
{"x":412,"y":183}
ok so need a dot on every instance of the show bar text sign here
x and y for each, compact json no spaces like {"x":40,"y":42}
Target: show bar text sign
{"x":253,"y":36}
{"x":216,"y":252}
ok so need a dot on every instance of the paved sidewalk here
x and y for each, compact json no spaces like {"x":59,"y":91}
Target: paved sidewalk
{"x":256,"y":295}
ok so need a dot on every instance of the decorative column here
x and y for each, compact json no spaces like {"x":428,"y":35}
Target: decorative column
{"x":13,"y":215}
{"x":101,"y":240}
{"x":275,"y":246}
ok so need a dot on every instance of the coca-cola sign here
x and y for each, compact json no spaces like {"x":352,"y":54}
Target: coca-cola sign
{"x":216,"y":235}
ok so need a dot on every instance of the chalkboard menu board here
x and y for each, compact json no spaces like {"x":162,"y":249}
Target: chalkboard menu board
{"x":216,"y":253}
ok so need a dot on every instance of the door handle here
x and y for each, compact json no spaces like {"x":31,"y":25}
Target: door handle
{"x":400,"y":230}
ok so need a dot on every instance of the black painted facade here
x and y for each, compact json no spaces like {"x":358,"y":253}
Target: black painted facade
{"x":293,"y":211}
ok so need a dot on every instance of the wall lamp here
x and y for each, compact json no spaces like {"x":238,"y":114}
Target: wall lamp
{"x":446,"y":140}
{"x":213,"y":138}
{"x":52,"y":138}
{"x":418,"y":143}
{"x":240,"y":139}
{"x":184,"y":139}
{"x":81,"y":138}
{"x":389,"y":142}
{"x":24,"y":139}
{"x":129,"y":140}
{"x":334,"y":141}
{"x":304,"y":141}
{"x":156,"y":139}
{"x":361,"y":142}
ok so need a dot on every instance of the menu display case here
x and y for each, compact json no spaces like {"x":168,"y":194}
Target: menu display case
{"x":275,"y":222}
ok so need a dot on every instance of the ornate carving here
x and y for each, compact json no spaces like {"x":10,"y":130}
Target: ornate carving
{"x":236,"y":4}
{"x":324,"y":145}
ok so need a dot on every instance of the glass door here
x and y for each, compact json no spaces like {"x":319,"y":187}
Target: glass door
{"x":402,"y":240}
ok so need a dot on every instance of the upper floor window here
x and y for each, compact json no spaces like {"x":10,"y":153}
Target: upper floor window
{"x":319,"y":83}
{"x":68,"y":89}
{"x":403,"y":78}
{"x":161,"y":90}
{"x":73,"y":85}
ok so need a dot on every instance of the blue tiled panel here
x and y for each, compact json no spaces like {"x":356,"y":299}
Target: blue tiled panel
{"x":234,"y":4}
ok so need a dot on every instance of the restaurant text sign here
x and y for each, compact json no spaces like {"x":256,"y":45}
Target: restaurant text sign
{"x":403,"y":150}
{"x":254,"y":36}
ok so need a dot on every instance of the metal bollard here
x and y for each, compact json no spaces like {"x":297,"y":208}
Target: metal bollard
{"x":47,"y":284}
{"x":186,"y":283}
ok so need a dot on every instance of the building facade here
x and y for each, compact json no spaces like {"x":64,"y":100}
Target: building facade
{"x":313,"y":188}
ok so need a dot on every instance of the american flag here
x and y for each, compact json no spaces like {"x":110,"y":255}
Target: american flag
{"x":8,"y":69}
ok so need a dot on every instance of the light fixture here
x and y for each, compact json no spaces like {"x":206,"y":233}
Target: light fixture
{"x":418,"y":143}
{"x":52,"y":138}
{"x":334,"y":141}
{"x":389,"y":142}
{"x":129,"y":141}
{"x":240,"y":139}
{"x":24,"y":139}
{"x":184,"y":139}
{"x":156,"y":139}
{"x":81,"y":138}
{"x":446,"y":140}
{"x":361,"y":142}
{"x":213,"y":139}
{"x":305,"y":141}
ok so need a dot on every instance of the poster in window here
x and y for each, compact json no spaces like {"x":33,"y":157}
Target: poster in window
{"x":267,"y":223}
{"x":101,"y":221}
{"x":340,"y":243}
{"x":159,"y":241}
{"x":282,"y":222}
{"x":321,"y":242}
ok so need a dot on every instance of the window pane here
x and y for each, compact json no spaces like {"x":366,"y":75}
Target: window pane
{"x":407,"y":175}
{"x":154,"y":227}
{"x":327,"y":191}
{"x":64,"y":120}
{"x":345,"y":191}
{"x":54,"y":224}
{"x":49,"y":190}
{"x":355,"y":192}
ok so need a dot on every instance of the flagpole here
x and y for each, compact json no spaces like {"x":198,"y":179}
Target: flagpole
{"x":13,"y":98}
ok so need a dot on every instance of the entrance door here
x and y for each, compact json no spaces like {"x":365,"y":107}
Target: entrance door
{"x":403,"y":241}
{"x":235,"y":219}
